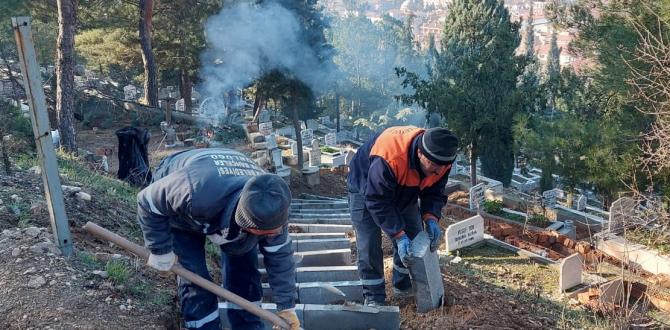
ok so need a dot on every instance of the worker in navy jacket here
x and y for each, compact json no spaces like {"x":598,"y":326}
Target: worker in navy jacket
{"x":396,"y":180}
{"x":220,"y":195}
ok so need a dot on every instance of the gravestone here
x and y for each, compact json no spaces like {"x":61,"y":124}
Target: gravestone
{"x":276,"y":158}
{"x":294,"y":148}
{"x":621,"y":212}
{"x":331,"y":139}
{"x":264,"y":116}
{"x":271,"y":140}
{"x":307,"y":135}
{"x":129,"y":93}
{"x":580,"y":203}
{"x":426,"y":275}
{"x":325,"y":120}
{"x":477,"y":195}
{"x":315,"y":154}
{"x":464,"y":233}
{"x":549,"y":198}
{"x":312,"y":124}
{"x":265,"y":128}
{"x":179,"y":106}
{"x":349,"y":155}
{"x":570,"y":273}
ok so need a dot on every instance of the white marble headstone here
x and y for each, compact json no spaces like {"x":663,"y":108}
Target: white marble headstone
{"x":464,"y":233}
{"x":549,"y":198}
{"x":179,"y":105}
{"x":129,"y":93}
{"x":570,"y":272}
{"x":331,"y":139}
{"x":265,"y":128}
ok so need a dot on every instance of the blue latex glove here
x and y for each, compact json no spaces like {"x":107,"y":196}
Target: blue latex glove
{"x":435,"y":233}
{"x":404,"y":249}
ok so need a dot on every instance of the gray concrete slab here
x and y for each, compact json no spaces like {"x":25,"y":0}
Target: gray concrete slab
{"x":321,"y":274}
{"x":322,"y":228}
{"x":343,"y":221}
{"x":327,"y":274}
{"x":303,"y":236}
{"x":224,"y":307}
{"x":318,"y":293}
{"x":426,"y":275}
{"x":337,"y":317}
{"x":322,"y":244}
{"x":337,"y":257}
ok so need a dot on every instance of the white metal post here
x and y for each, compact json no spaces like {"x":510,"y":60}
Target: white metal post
{"x":38,"y":114}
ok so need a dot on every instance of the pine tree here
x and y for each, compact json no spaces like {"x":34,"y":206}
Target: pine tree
{"x":553,"y":74}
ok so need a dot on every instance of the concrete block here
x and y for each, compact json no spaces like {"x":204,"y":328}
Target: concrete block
{"x":426,"y":275}
{"x":327,"y":274}
{"x":322,"y":228}
{"x":333,"y":221}
{"x":337,"y":317}
{"x":304,"y":236}
{"x":319,"y":293}
{"x":570,"y":272}
{"x":322,"y":244}
{"x":225,"y":306}
{"x":338,"y":257}
{"x":321,"y":274}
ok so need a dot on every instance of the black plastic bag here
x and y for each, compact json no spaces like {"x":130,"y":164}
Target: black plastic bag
{"x":133,"y":156}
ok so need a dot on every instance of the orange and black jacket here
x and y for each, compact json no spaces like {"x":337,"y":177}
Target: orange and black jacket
{"x":387,"y":173}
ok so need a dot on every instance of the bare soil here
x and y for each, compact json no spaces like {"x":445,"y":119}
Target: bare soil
{"x":41,"y":289}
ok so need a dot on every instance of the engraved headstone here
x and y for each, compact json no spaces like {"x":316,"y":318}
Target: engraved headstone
{"x":464,"y":233}
{"x":264,"y":116}
{"x":129,"y":93}
{"x":621,"y":212}
{"x":477,"y":195}
{"x":179,"y":105}
{"x":331,"y":139}
{"x":549,"y":198}
{"x":265,"y":128}
{"x":271,"y":140}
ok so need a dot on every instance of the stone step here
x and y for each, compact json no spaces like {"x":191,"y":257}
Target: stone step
{"x":331,"y":317}
{"x":337,"y":257}
{"x":321,"y":274}
{"x":321,"y":228}
{"x":317,"y":293}
{"x":303,"y":236}
{"x":342,"y":221}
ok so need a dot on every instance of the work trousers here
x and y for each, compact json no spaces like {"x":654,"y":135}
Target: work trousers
{"x":199,"y":307}
{"x":369,"y":253}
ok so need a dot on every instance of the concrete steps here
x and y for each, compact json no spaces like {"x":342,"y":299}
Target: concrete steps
{"x":320,"y":231}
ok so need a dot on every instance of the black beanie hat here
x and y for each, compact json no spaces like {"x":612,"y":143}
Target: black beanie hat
{"x":439,"y":145}
{"x":264,"y":203}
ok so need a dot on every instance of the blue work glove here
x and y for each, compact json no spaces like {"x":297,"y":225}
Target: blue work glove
{"x":435,"y":233}
{"x":404,"y":249}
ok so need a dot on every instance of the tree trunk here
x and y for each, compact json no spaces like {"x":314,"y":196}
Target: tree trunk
{"x":473,"y":164}
{"x":5,"y":156}
{"x":185,"y":87}
{"x":337,"y":111}
{"x":298,"y":129}
{"x":150,"y":82}
{"x":259,"y":101}
{"x":65,"y":67}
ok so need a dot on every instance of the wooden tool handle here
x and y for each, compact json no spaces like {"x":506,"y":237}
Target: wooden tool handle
{"x":144,"y":253}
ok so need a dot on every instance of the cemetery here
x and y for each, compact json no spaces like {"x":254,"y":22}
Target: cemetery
{"x":554,"y":219}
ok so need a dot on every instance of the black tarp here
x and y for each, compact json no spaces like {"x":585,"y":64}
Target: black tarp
{"x":133,"y":156}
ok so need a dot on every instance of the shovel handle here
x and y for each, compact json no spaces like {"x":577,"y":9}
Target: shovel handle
{"x":178,"y":269}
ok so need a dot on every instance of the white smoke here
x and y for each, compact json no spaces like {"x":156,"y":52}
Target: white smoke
{"x":244,"y":41}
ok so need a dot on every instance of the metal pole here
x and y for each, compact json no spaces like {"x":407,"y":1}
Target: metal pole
{"x":42,"y":131}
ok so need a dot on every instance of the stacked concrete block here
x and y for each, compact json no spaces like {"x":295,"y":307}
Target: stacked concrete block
{"x":426,"y":275}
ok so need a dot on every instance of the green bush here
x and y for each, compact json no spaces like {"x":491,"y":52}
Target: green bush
{"x":493,"y":207}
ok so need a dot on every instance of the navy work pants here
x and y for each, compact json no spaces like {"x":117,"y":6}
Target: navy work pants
{"x":200,"y":308}
{"x":369,"y":253}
